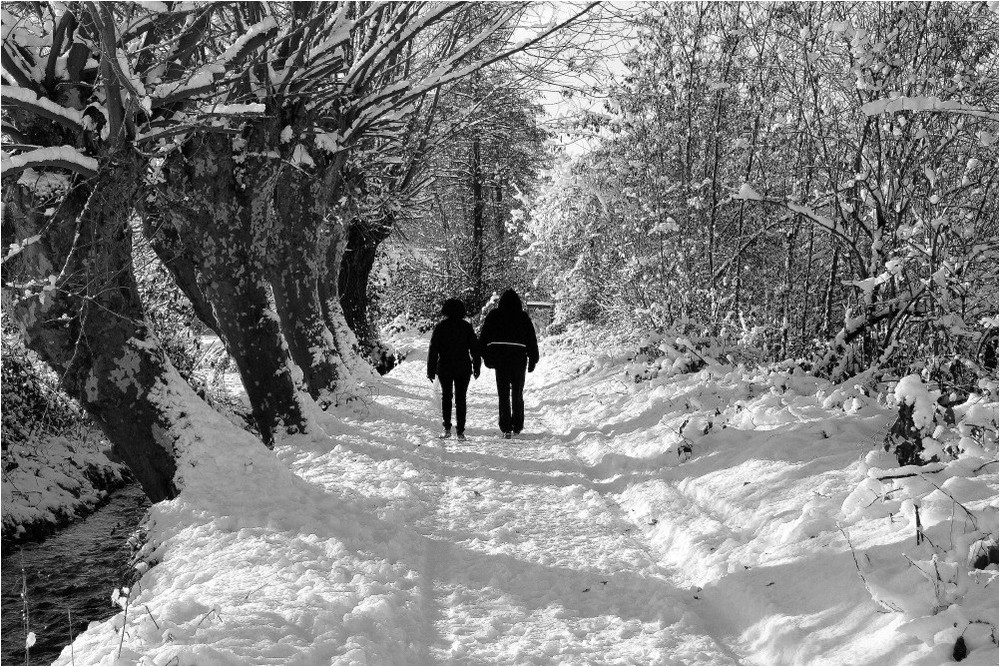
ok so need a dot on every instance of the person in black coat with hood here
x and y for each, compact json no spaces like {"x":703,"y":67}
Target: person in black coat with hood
{"x":509,"y":346}
{"x":453,"y":357}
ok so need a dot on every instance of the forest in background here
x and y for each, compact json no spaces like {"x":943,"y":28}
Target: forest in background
{"x":808,"y":181}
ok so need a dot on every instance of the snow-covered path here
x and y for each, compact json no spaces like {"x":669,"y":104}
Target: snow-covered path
{"x":526,"y":561}
{"x":586,"y":540}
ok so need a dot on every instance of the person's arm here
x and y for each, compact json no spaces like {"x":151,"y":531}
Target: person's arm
{"x":532,"y":343}
{"x":432,"y":354}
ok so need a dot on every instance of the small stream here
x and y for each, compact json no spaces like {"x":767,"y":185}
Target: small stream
{"x":70,"y":573}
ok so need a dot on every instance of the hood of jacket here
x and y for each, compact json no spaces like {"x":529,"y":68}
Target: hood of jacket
{"x":510,"y":301}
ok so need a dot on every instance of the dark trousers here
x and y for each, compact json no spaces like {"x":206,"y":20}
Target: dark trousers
{"x":456,"y":386}
{"x":510,"y":389}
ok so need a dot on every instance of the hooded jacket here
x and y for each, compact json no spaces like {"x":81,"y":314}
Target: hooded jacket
{"x":508,"y":336}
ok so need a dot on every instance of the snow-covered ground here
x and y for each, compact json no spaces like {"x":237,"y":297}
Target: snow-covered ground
{"x":52,"y":482}
{"x":591,"y":538}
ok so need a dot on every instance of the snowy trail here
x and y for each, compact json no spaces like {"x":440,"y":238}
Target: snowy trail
{"x":525,"y":560}
{"x":586,"y":540}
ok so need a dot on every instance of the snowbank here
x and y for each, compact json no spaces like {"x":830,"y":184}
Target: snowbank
{"x":54,"y":482}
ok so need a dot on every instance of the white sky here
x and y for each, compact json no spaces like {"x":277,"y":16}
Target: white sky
{"x":595,"y":46}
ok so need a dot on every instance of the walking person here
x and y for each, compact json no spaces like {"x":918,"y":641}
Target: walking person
{"x":454,"y":358}
{"x":510,"y":347}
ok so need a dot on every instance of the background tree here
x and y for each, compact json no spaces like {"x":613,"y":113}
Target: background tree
{"x":770,"y":172}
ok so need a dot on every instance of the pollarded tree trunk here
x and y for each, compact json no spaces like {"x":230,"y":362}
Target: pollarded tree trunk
{"x":220,"y":212}
{"x":299,"y":252}
{"x":363,"y":240}
{"x":333,"y":312}
{"x":85,"y":318}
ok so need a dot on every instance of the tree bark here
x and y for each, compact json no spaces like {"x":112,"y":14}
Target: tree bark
{"x":333,"y":312}
{"x":363,"y":240}
{"x":299,"y":254}
{"x":168,"y":246}
{"x":87,"y":321}
{"x":220,"y":212}
{"x":478,"y":226}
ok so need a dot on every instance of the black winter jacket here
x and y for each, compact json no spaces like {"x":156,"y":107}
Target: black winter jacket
{"x":508,"y":336}
{"x":454,"y":350}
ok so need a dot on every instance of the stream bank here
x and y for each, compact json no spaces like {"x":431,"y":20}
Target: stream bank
{"x":68,"y":578}
{"x":54,"y":482}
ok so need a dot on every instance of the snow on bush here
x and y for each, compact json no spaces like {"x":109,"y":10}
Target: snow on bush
{"x":945,"y":587}
{"x":943,"y":579}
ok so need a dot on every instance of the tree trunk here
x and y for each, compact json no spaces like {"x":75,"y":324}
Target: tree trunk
{"x":363,"y":240}
{"x":300,"y":250}
{"x":220,"y":212}
{"x":88,"y":323}
{"x":333,"y":312}
{"x":168,"y":246}
{"x":478,"y":215}
{"x":786,"y":296}
{"x":831,"y":284}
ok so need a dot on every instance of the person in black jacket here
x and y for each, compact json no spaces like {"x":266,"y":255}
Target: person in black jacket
{"x":453,"y":357}
{"x":510,"y":347}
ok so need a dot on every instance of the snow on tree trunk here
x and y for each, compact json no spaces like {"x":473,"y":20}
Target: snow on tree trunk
{"x":300,"y":248}
{"x":219,"y":210}
{"x":333,"y":311}
{"x":82,"y":313}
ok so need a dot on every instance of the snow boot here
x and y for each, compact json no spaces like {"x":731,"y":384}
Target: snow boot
{"x":446,"y":434}
{"x":461,"y":436}
{"x":506,"y":435}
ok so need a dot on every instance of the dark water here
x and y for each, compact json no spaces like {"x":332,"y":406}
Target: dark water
{"x":73,"y":571}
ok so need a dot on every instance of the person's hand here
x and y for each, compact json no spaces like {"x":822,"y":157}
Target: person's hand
{"x":531,"y":366}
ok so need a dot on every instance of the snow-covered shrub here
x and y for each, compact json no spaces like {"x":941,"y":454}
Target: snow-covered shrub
{"x":925,"y":417}
{"x":402,"y":335}
{"x":944,"y":577}
{"x":911,"y":437}
{"x":577,"y":300}
{"x":32,"y":403}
